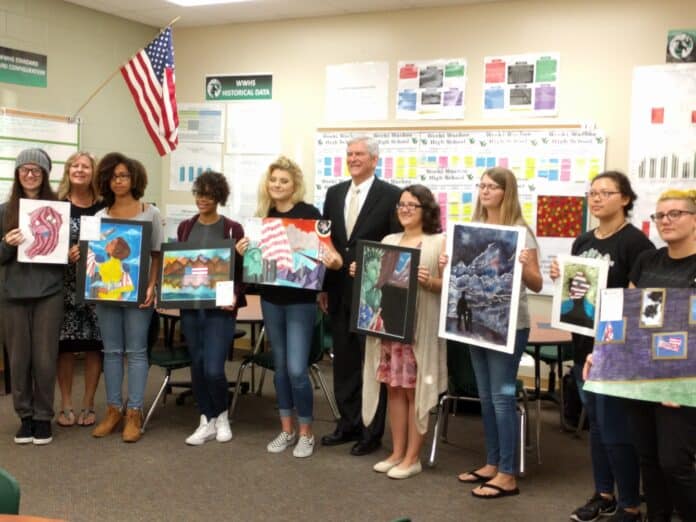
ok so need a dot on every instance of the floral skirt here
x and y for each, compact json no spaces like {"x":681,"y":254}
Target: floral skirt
{"x":397,"y":365}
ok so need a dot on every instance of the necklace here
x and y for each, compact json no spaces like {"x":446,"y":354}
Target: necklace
{"x":81,"y":203}
{"x":602,"y":235}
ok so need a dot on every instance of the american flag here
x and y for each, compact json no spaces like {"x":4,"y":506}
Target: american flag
{"x":196,"y":271}
{"x":150,"y":79}
{"x":275,"y":244}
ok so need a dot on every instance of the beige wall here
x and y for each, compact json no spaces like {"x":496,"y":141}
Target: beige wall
{"x":600,"y":42}
{"x":83,"y":48}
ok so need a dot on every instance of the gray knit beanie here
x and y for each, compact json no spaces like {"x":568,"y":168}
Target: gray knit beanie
{"x":37,"y":157}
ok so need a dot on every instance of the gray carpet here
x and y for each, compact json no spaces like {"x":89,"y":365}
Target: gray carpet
{"x":79,"y":478}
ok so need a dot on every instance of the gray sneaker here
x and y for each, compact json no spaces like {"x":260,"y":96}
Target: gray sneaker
{"x":281,"y":442}
{"x":305,"y":447}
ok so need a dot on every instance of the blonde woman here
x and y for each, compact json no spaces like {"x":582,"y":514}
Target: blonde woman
{"x":80,"y":331}
{"x":496,"y":372}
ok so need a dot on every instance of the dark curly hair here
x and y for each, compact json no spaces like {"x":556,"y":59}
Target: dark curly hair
{"x":213,"y":185}
{"x":431,"y":210}
{"x":623,"y":184}
{"x":105,"y":171}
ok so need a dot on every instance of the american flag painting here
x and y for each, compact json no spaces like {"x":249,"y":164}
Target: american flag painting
{"x":150,"y":79}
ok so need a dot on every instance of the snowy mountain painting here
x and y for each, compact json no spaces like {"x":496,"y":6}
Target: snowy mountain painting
{"x":482,"y":284}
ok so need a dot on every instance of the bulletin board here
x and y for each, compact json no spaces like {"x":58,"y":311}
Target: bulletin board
{"x":553,"y":167}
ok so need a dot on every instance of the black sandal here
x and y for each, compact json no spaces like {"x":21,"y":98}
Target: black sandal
{"x":477,"y":478}
{"x":500,"y":492}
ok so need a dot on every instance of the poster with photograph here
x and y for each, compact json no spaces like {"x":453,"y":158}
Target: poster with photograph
{"x":650,"y":363}
{"x":114,"y":269}
{"x":575,"y":305}
{"x":286,"y":252}
{"x":190,"y":273}
{"x":681,"y":46}
{"x":384,"y":291}
{"x":481,"y":285}
{"x":45,"y":226}
{"x":431,"y":89}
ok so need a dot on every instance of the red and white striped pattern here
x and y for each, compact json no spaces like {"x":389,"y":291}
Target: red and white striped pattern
{"x":275,"y":244}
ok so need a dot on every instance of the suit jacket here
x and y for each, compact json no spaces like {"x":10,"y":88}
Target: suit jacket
{"x":377,"y":218}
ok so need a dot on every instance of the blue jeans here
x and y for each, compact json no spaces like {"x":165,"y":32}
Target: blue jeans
{"x":209,"y":335}
{"x":496,"y":379}
{"x":124,"y":332}
{"x":290,"y":329}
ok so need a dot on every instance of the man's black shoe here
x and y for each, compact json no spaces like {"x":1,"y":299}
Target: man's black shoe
{"x":338,"y":437}
{"x":365,"y":447}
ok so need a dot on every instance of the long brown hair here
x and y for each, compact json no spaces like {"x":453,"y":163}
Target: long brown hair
{"x":510,"y":209}
{"x":17,"y":193}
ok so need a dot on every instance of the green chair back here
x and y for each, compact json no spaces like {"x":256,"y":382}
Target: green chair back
{"x":9,"y":494}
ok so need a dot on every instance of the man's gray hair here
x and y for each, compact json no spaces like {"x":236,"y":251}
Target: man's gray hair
{"x":370,"y":143}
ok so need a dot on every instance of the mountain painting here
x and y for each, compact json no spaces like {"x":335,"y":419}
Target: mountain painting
{"x":190,"y":273}
{"x":651,"y":363}
{"x":286,"y":252}
{"x":481,"y":285}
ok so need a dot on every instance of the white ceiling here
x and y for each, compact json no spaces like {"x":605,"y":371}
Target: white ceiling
{"x":158,"y":13}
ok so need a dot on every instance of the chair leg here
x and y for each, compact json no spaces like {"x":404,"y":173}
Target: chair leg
{"x":261,"y":379}
{"x":451,"y":404}
{"x":237,"y":389}
{"x":165,"y":383}
{"x":523,"y":442}
{"x":436,"y":430}
{"x":581,"y":422}
{"x":316,"y":371}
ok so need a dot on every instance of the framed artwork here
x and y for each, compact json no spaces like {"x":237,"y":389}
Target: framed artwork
{"x":384,"y":291}
{"x":191,"y":270}
{"x":692,"y":310}
{"x":481,"y":285}
{"x":612,"y":332}
{"x":652,"y":364}
{"x":286,"y":252}
{"x":45,"y":226}
{"x":575,"y":304}
{"x":115,"y":268}
{"x":652,"y":309}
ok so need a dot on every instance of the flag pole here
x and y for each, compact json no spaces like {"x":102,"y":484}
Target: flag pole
{"x":111,"y":76}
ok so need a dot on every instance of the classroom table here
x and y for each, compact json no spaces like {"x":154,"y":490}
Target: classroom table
{"x":28,"y":518}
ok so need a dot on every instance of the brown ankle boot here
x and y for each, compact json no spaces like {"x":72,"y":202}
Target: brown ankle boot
{"x":134,"y":421}
{"x":108,"y":424}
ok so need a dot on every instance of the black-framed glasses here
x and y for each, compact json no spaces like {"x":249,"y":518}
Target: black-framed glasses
{"x":408,"y":207}
{"x":489,"y":186}
{"x":26,"y":171}
{"x":202,"y":195}
{"x":601,"y":194}
{"x":121,"y":177}
{"x":672,"y":215}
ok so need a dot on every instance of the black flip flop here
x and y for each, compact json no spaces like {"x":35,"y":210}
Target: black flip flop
{"x":478,"y":478}
{"x":500,"y":492}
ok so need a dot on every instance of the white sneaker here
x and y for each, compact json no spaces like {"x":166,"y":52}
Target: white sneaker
{"x":222,"y":425}
{"x":305,"y":447}
{"x":281,"y":442}
{"x":206,"y":431}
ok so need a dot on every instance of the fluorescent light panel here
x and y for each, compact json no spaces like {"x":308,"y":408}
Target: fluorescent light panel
{"x":196,"y":3}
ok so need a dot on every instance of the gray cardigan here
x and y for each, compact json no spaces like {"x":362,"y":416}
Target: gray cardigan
{"x":25,"y":280}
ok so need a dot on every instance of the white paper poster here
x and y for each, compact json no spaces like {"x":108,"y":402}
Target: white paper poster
{"x":357,"y":91}
{"x":521,"y":85}
{"x":254,"y":127}
{"x":244,"y":172}
{"x":45,"y":226}
{"x":190,"y":160}
{"x":175,"y":214}
{"x":201,"y":122}
{"x":431,"y":89}
{"x":663,"y":136}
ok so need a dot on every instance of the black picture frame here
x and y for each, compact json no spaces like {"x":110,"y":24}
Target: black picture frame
{"x":384,"y":291}
{"x":177,"y":267}
{"x":134,"y":267}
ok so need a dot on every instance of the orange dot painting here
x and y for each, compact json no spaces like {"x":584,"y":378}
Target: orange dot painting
{"x":560,"y":216}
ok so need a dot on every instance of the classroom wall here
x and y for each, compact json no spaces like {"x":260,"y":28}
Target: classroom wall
{"x":600,"y":42}
{"x":83,"y":47}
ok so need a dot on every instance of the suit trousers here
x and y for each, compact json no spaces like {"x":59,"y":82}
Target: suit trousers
{"x":349,"y":355}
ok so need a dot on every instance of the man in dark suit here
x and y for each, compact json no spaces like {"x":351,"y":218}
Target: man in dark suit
{"x":362,"y":208}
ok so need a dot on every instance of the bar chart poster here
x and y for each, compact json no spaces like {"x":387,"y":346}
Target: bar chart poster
{"x":190,"y":160}
{"x":663,"y":134}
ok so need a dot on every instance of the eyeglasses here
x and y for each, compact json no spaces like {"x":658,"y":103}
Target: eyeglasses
{"x":203,"y":195}
{"x":601,"y":194}
{"x":33,"y":171}
{"x":672,"y":215}
{"x":489,"y":186}
{"x":121,"y":177}
{"x":407,"y":207}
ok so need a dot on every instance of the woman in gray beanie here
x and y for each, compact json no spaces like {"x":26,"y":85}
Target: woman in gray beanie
{"x":32,"y":295}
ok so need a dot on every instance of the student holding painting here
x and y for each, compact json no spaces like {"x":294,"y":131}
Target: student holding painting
{"x":124,"y":331}
{"x":414,"y":374}
{"x":289,"y":313}
{"x":496,"y":372}
{"x":210,"y":333}
{"x":32,"y":299}
{"x":614,"y":460}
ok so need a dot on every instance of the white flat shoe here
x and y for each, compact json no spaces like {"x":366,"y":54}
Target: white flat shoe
{"x":401,"y":473}
{"x":385,"y":465}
